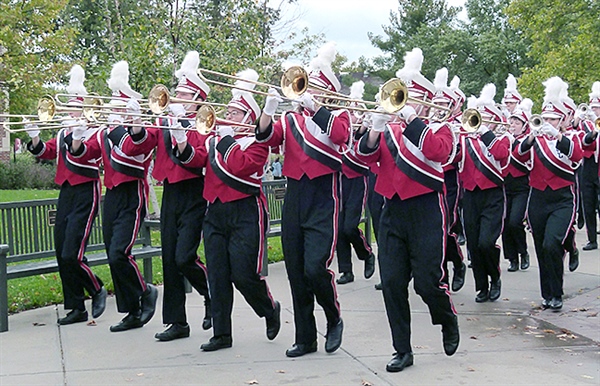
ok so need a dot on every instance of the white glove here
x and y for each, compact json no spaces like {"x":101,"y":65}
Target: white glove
{"x":133,"y":107}
{"x":549,"y":130}
{"x":31,"y":129}
{"x":177,"y":109}
{"x":222,"y":131}
{"x":79,"y":129}
{"x":406,"y":112}
{"x":379,"y":121}
{"x":178,"y":133}
{"x":367,"y":121}
{"x":305,"y":100}
{"x":482,"y":130}
{"x":272,"y":102}
{"x":114,"y":119}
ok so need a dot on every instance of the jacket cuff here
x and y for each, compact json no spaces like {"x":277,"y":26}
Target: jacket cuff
{"x":139,"y":137}
{"x":117,"y":135}
{"x":186,"y":155}
{"x":324,"y":119}
{"x":364,"y":149}
{"x":38,"y":150}
{"x":488,"y":138}
{"x":564,"y":145}
{"x":225,"y":145}
{"x":264,"y":135}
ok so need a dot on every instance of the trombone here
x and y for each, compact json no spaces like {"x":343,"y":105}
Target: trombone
{"x":471,"y":120}
{"x":159,"y":100}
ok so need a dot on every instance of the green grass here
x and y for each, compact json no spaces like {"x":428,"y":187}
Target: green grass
{"x":43,"y":290}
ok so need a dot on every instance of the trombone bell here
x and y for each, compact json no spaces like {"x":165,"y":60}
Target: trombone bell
{"x":46,"y":108}
{"x":159,"y":99}
{"x":294,"y":82}
{"x":394,"y":95}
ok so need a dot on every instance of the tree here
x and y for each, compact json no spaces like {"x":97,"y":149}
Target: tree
{"x":564,"y":42}
{"x":38,"y":44}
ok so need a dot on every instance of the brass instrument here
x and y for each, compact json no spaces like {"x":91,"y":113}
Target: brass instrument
{"x":159,"y":100}
{"x":471,"y":120}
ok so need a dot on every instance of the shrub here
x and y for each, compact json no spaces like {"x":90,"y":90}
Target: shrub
{"x":26,"y":173}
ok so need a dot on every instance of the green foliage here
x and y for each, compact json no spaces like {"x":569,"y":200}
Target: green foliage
{"x":564,"y":42}
{"x":26,"y":173}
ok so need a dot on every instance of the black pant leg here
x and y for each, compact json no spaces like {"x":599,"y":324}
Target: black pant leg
{"x":590,"y":188}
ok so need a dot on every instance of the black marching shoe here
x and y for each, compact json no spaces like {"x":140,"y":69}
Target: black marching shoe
{"x":524,"y":261}
{"x":495,"y":287}
{"x":370,"y":266}
{"x":347,"y":277}
{"x":573,"y":260}
{"x":299,"y":349}
{"x":333,"y":339}
{"x":461,"y":239}
{"x":450,"y":337}
{"x":378,"y":287}
{"x":149,"y":298}
{"x":99,"y":303}
{"x":399,"y":362}
{"x":129,"y":322}
{"x":74,"y":316}
{"x":590,"y":246}
{"x":556,"y":303}
{"x":514,"y":266}
{"x":207,"y":321}
{"x":175,"y":331}
{"x":274,"y":322}
{"x":217,"y":342}
{"x":458,"y":280}
{"x":482,"y":296}
{"x":546,"y":303}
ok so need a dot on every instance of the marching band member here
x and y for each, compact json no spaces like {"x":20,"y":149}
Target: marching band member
{"x":482,"y":159}
{"x":551,"y":210}
{"x":511,"y":96}
{"x":516,"y":186}
{"x":78,"y":202}
{"x":354,"y":197}
{"x":236,"y":219}
{"x":448,"y":97}
{"x":124,"y":204}
{"x":312,"y":139}
{"x":413,"y":221}
{"x":589,"y":186}
{"x":183,"y":207}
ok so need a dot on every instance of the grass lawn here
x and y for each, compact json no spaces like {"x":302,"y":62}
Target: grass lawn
{"x":43,"y":290}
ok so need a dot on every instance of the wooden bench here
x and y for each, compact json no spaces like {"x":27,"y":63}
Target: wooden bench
{"x":27,"y":235}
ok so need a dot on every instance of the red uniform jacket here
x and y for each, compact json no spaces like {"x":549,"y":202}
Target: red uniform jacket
{"x":74,"y":169}
{"x":515,"y":167}
{"x":311,"y":144}
{"x":167,"y":167}
{"x":234,"y":166}
{"x":118,"y":166}
{"x":482,"y":160}
{"x":410,"y":159}
{"x":554,"y":162}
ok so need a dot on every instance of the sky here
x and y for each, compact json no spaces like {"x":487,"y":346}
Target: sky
{"x":346,"y":22}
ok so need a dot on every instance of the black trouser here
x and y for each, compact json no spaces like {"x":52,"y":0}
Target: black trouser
{"x":181,"y":217}
{"x":411,"y":245}
{"x":375,"y":203}
{"x":551,"y":214}
{"x":124,"y":210}
{"x":308,"y":236}
{"x":234,"y":235}
{"x":77,"y":207}
{"x":483,"y":211}
{"x":514,"y":239}
{"x":453,"y":251}
{"x":354,"y":194}
{"x":590,"y":189}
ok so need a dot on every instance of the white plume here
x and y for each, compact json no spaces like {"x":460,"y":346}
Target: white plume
{"x":189,"y":65}
{"x":555,"y":90}
{"x":526,"y":105}
{"x":248,"y":74}
{"x":441,"y":79}
{"x":511,"y":83}
{"x":472,"y":102}
{"x":119,"y":76}
{"x":357,"y":90}
{"x":413,"y":60}
{"x":595,"y":90}
{"x":324,"y":58}
{"x":455,"y":83}
{"x":77,"y":77}
{"x":488,"y":92}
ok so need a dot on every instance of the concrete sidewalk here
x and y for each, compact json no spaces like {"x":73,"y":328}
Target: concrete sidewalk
{"x":510,"y":341}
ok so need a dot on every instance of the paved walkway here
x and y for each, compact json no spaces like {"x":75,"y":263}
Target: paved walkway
{"x":510,"y":341}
